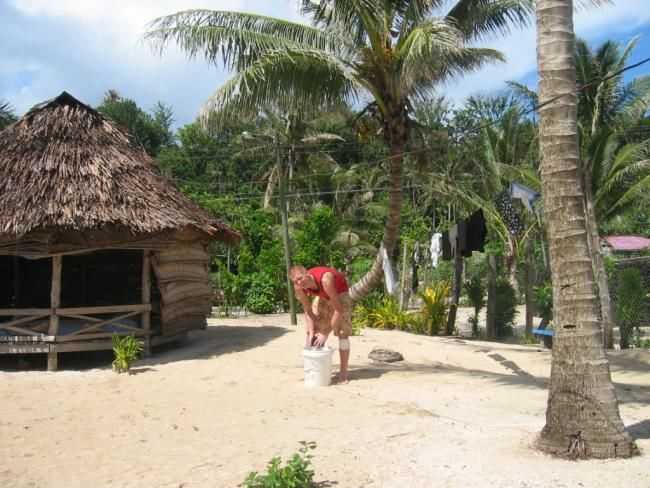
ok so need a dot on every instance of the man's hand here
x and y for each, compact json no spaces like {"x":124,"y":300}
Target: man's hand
{"x":310,"y":338}
{"x":321,"y":339}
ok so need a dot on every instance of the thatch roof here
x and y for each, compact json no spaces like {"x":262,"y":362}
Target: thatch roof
{"x":67,"y":171}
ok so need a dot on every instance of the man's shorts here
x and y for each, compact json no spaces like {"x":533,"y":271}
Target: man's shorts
{"x":323,"y":310}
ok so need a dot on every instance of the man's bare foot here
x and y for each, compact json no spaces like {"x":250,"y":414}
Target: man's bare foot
{"x":342,"y":380}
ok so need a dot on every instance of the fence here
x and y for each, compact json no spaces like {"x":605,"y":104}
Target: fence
{"x":629,"y":287}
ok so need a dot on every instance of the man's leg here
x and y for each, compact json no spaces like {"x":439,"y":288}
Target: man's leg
{"x":344,"y":355}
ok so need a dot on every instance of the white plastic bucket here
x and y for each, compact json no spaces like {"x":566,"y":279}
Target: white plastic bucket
{"x":318,"y":366}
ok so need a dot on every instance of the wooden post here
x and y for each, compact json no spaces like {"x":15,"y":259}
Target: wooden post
{"x":530,"y":302}
{"x":492,"y":296}
{"x":55,"y":302}
{"x":285,"y":230}
{"x":455,"y":293}
{"x":146,"y":299}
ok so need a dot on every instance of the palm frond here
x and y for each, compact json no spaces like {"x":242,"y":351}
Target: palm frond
{"x":237,"y":39}
{"x":523,"y":93}
{"x":481,"y":19}
{"x":432,"y":39}
{"x":358,"y":20}
{"x":439,"y":70}
{"x":7,"y":115}
{"x":289,"y":78}
{"x":321,"y":137}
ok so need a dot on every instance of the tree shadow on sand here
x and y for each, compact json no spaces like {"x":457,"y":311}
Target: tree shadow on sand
{"x":640,"y":430}
{"x":512,"y":375}
{"x":200,"y":344}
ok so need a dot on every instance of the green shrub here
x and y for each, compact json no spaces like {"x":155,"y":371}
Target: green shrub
{"x":296,"y":473}
{"x":505,"y":309}
{"x":629,"y":307}
{"x":434,"y":307}
{"x":388,"y":315}
{"x":261,"y":296}
{"x":544,"y":302}
{"x":362,"y":312}
{"x":126,"y":350}
{"x":312,"y":241}
{"x":639,"y":341}
{"x":475,"y":290}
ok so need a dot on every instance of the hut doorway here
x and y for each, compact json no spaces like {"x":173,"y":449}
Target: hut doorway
{"x":74,"y":302}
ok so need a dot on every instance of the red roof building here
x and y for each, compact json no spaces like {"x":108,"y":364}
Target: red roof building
{"x":626,"y":244}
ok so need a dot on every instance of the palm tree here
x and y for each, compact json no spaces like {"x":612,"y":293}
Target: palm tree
{"x":299,"y":141}
{"x":394,"y":52}
{"x":510,"y":150}
{"x":7,"y":115}
{"x":582,"y":417}
{"x":605,"y":99}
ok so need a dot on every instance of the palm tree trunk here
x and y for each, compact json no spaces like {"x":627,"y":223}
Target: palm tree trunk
{"x":396,"y":174}
{"x":599,"y":267}
{"x":513,"y":266}
{"x":530,"y":302}
{"x":582,"y":417}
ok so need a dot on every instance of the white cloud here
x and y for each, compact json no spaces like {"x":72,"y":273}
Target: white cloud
{"x":89,"y":46}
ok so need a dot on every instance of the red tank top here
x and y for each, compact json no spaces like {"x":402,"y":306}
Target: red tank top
{"x":340,"y":283}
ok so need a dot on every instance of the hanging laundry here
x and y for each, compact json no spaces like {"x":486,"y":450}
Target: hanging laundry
{"x":527,"y":195}
{"x":388,"y":271}
{"x":446,"y":246}
{"x":415,"y":266}
{"x":461,"y":238}
{"x":454,"y":241}
{"x":476,"y":232}
{"x":508,"y":213}
{"x":436,"y":248}
{"x":449,"y":242}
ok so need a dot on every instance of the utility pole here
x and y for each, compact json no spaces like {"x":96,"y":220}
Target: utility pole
{"x":285,"y":229}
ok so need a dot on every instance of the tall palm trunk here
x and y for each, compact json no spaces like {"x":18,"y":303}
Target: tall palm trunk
{"x":582,"y":417}
{"x":513,"y":265}
{"x":599,"y":267}
{"x":391,"y":231}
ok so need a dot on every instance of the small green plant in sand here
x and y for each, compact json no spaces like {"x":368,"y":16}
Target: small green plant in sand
{"x":434,"y":307}
{"x":529,"y":340}
{"x":296,"y":473}
{"x":126,"y":349}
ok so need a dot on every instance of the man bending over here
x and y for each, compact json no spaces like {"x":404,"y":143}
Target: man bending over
{"x":331,"y":309}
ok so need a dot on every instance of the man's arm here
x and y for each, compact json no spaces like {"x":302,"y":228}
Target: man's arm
{"x":309,"y":314}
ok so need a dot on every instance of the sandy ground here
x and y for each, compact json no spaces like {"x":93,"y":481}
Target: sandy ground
{"x":454,"y":413}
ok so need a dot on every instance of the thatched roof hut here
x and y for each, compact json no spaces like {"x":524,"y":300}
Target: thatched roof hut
{"x":76,"y":191}
{"x":70,"y":177}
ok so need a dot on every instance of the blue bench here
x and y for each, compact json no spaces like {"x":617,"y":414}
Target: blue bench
{"x":544,"y":332}
{"x":547,"y":336}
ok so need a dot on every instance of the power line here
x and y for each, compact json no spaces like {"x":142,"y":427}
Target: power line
{"x":438,"y":145}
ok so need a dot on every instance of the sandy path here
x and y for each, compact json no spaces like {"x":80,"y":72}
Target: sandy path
{"x":454,"y":413}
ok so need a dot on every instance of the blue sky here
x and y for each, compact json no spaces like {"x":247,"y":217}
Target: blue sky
{"x":86,"y":47}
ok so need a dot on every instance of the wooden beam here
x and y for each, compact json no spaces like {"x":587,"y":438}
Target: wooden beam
{"x":55,"y":301}
{"x":138,"y":307}
{"x":25,"y":311}
{"x":99,"y":335}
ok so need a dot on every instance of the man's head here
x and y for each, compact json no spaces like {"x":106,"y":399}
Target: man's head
{"x":299,"y":276}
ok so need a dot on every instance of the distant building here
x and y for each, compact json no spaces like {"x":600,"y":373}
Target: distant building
{"x":625,"y":246}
